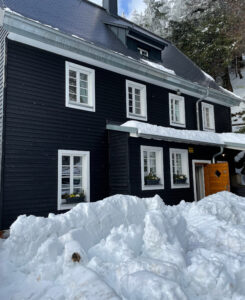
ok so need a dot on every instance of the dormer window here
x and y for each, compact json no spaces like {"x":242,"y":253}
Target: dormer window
{"x":143,"y":52}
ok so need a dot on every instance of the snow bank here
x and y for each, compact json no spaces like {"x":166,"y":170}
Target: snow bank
{"x":130,"y":248}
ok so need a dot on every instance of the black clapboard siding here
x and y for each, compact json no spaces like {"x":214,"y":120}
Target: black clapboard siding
{"x":169,"y":195}
{"x":37,"y":124}
{"x":118,"y":163}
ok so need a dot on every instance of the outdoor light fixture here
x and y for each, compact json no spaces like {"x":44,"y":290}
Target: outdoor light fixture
{"x":178,"y":92}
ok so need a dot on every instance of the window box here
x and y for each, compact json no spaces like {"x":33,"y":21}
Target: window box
{"x":152,"y":181}
{"x":74,"y":199}
{"x":180,"y":179}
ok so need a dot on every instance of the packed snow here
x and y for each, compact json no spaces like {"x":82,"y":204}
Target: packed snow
{"x":158,"y":66}
{"x":129,"y":248}
{"x":190,"y":135}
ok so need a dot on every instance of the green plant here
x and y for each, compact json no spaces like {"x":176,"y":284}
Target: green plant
{"x":151,"y":176}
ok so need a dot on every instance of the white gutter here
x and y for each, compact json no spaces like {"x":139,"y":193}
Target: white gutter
{"x":33,"y":33}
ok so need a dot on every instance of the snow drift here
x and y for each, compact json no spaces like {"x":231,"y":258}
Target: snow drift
{"x":130,"y":248}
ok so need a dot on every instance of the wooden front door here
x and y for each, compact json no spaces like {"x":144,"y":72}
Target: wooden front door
{"x":217,"y":178}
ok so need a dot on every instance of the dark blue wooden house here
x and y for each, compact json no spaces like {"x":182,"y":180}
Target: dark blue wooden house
{"x":71,"y":73}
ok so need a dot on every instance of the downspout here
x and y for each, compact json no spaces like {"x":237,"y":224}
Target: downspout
{"x":218,"y":154}
{"x":197,"y":108}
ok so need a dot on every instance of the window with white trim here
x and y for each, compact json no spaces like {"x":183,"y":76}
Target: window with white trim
{"x":152,"y":175}
{"x":177,"y":110}
{"x":179,"y":167}
{"x":73,"y":178}
{"x":143,"y":52}
{"x":208,"y":117}
{"x":136,"y":100}
{"x":80,"y":87}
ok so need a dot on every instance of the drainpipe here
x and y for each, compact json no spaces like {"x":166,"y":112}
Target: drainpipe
{"x":197,"y":108}
{"x":218,"y":154}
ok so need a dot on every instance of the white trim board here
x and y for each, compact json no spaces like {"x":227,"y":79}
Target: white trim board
{"x":135,"y":73}
{"x":194,"y":161}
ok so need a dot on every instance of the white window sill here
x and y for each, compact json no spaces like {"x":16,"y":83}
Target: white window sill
{"x":152,"y":187}
{"x":181,"y":186}
{"x":209,"y":129}
{"x":137,"y":117}
{"x":68,"y":206}
{"x":81,"y":106}
{"x":178,"y":125}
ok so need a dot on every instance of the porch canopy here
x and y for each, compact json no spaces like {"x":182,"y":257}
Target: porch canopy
{"x":229,"y":140}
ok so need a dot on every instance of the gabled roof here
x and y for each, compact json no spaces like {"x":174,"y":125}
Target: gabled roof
{"x":88,"y":21}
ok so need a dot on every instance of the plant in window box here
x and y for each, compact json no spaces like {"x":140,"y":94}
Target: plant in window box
{"x":152,"y":179}
{"x":180,"y":179}
{"x":74,"y":198}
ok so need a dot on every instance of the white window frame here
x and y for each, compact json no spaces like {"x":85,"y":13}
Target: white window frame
{"x":211,"y":116}
{"x":184,"y":154}
{"x":142,"y":88}
{"x":143,"y":52}
{"x":159,"y":166}
{"x":85,"y":174}
{"x":181,"y":99}
{"x":91,"y":87}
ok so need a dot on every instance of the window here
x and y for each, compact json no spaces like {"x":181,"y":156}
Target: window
{"x":177,"y":110}
{"x":152,"y":168}
{"x":208,"y":117}
{"x":73,"y":178}
{"x":143,"y":52}
{"x":80,"y":87}
{"x":179,"y":164}
{"x":136,"y":101}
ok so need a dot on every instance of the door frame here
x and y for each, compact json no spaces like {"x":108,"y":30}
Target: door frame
{"x":195,"y":161}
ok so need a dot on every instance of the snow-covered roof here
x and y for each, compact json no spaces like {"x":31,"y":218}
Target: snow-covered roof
{"x":228,"y":140}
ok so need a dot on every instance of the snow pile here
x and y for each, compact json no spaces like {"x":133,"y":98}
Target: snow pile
{"x":130,"y":248}
{"x":190,"y":135}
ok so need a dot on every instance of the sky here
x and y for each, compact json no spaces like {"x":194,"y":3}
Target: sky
{"x":127,"y":6}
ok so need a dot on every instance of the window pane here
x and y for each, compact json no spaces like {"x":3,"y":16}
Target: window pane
{"x":72,"y":74}
{"x":66,"y":160}
{"x":130,"y":90}
{"x":72,"y":81}
{"x":65,"y":171}
{"x":138,"y":111}
{"x":73,"y":89}
{"x":65,"y":183}
{"x":137,"y":98}
{"x":137,"y":92}
{"x":77,"y":160}
{"x":137,"y":104}
{"x":84,"y":84}
{"x":77,"y":182}
{"x":84,"y":99}
{"x":72,"y":97}
{"x":83,"y":92}
{"x":83,"y":77}
{"x":77,"y":170}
